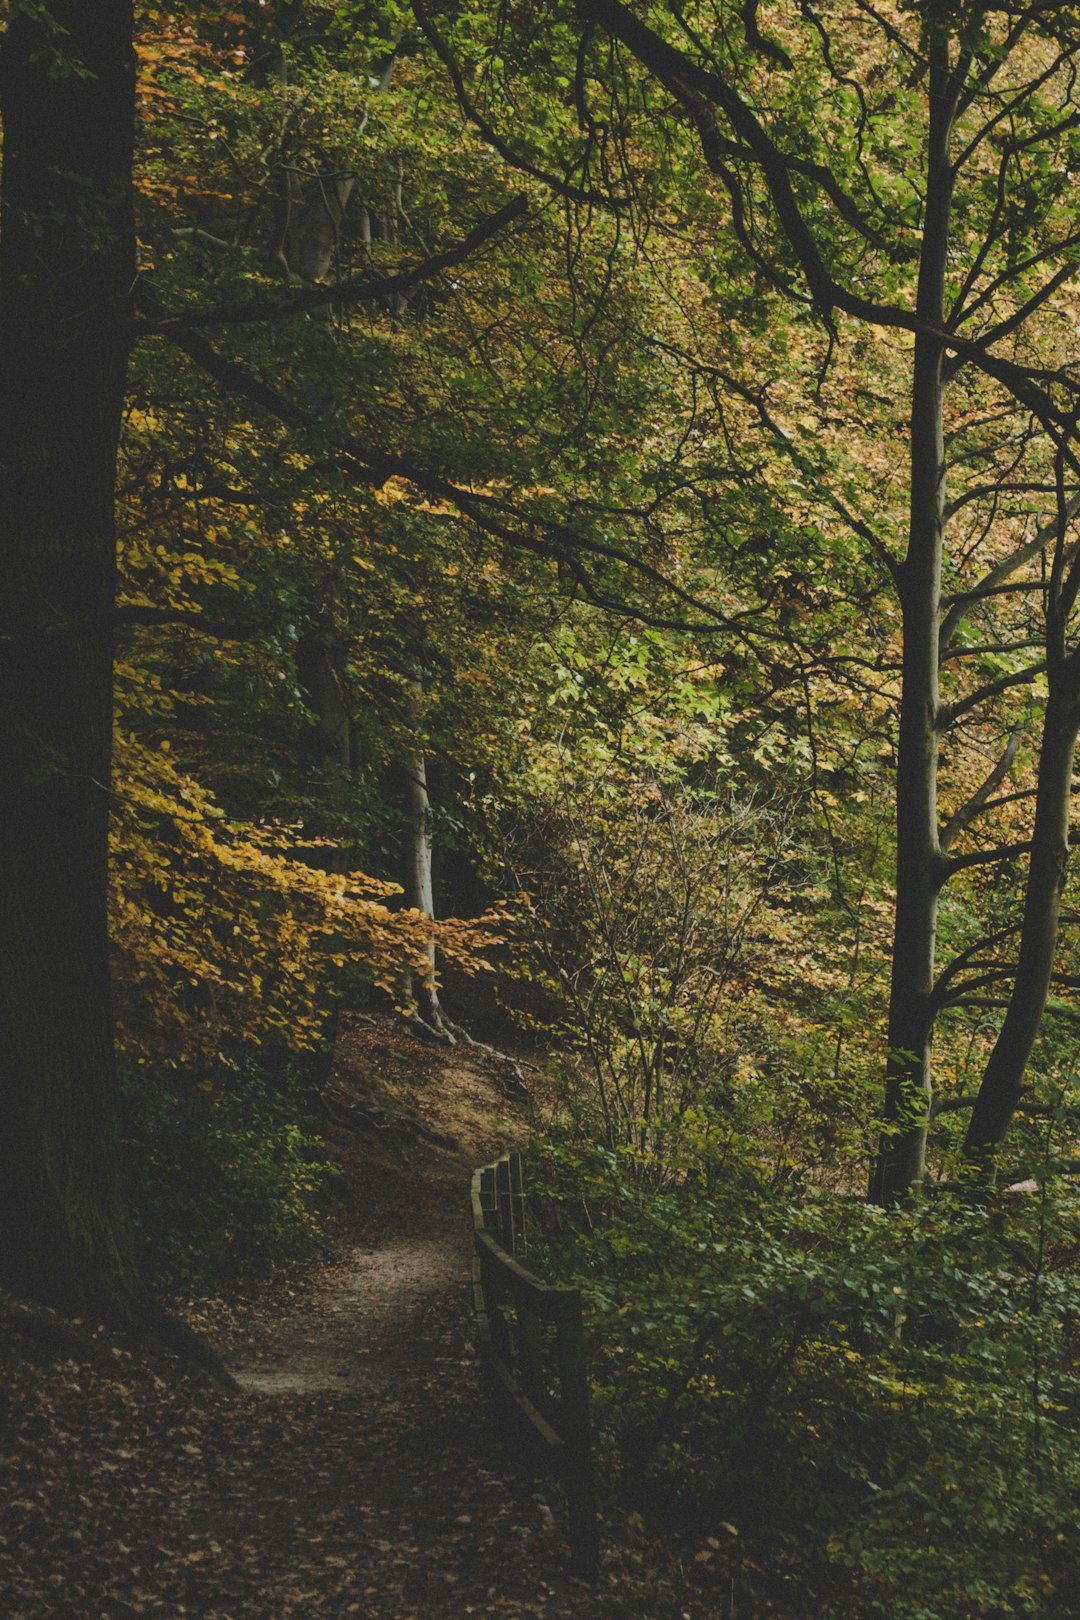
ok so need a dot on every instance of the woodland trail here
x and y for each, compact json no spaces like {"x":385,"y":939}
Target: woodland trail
{"x":357,"y":1472}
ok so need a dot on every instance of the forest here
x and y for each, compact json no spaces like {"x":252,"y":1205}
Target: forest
{"x":554,"y":525}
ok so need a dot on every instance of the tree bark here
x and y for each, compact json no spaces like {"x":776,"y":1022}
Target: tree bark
{"x":315,"y":666}
{"x":311,"y":214}
{"x":418,"y":885}
{"x":67,"y":267}
{"x":999,"y":1092}
{"x":919,"y":868}
{"x":421,"y":992}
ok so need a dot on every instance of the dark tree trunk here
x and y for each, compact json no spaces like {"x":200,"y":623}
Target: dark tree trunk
{"x":67,"y":268}
{"x":1003,"y":1077}
{"x":902,"y":1153}
{"x":316,"y":667}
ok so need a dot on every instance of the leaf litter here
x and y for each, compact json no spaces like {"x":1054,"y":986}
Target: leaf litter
{"x":357,"y":1471}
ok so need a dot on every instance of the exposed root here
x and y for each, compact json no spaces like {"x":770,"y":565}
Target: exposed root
{"x":442,"y":1031}
{"x":156,"y":1327}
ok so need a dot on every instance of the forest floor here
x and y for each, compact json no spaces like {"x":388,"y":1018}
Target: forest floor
{"x":357,"y":1471}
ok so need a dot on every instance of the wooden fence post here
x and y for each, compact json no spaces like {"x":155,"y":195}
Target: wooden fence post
{"x":576,"y":1428}
{"x":504,"y":1205}
{"x":547,"y":1404}
{"x":517,"y":1203}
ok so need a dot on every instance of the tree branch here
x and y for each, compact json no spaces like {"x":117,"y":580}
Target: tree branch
{"x":544,"y":536}
{"x":950,"y":713}
{"x":488,"y":132}
{"x":968,"y":811}
{"x":220,"y":629}
{"x":700,"y":90}
{"x":986,"y":857}
{"x":996,"y":577}
{"x":357,"y":290}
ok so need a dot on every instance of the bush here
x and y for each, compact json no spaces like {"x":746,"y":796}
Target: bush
{"x":223,"y":1174}
{"x":886,"y":1403}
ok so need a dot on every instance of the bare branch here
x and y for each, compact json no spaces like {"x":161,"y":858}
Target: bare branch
{"x":978,"y":800}
{"x":950,"y":713}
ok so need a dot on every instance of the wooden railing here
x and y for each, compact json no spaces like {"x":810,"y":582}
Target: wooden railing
{"x":532,"y":1342}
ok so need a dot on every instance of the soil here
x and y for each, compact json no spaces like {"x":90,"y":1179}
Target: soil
{"x":357,"y":1472}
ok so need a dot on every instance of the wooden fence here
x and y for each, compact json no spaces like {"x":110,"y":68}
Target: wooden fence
{"x":532,"y":1342}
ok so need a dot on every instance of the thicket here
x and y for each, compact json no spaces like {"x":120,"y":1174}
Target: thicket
{"x":882,"y":1406}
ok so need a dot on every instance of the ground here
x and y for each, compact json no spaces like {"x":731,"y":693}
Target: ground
{"x":357,"y":1471}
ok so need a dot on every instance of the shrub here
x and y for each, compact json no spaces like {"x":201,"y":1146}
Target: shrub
{"x":885,"y":1402}
{"x":224,"y":1174}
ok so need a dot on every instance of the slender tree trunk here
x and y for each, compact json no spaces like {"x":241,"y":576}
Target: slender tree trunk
{"x":421,"y":994}
{"x":419,"y":889}
{"x":999,"y":1091}
{"x":417,"y":878}
{"x":908,"y":1091}
{"x":66,"y":272}
{"x":312,"y":209}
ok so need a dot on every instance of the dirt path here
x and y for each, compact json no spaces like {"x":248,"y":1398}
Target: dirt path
{"x":359,"y":1329}
{"x":357,"y":1473}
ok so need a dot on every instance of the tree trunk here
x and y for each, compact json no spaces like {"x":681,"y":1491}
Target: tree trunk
{"x":908,"y":1091}
{"x":1003,"y":1076}
{"x":421,"y":994}
{"x":418,"y":886}
{"x":67,"y":81}
{"x":312,"y":210}
{"x":316,"y":668}
{"x":416,"y":872}
{"x":314,"y":214}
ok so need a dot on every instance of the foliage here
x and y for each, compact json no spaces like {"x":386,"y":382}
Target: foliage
{"x":223,"y":1174}
{"x":228,"y":932}
{"x":886,"y":1403}
{"x":608,"y":524}
{"x":708,"y":921}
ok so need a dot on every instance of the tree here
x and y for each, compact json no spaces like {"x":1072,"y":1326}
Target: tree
{"x":67,"y":275}
{"x":67,"y":266}
{"x":907,"y":171}
{"x":457,"y":408}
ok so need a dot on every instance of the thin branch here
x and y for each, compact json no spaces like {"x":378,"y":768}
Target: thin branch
{"x":996,"y":648}
{"x":546,"y":537}
{"x":978,"y":800}
{"x":508,"y":152}
{"x":701,"y":93}
{"x":987,"y":857}
{"x":951,"y":1105}
{"x":220,"y":629}
{"x":950,"y":713}
{"x":357,"y":290}
{"x":1015,"y":321}
{"x":990,"y":582}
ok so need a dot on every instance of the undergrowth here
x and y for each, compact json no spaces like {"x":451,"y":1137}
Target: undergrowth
{"x":224,"y":1173}
{"x":884,"y":1404}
